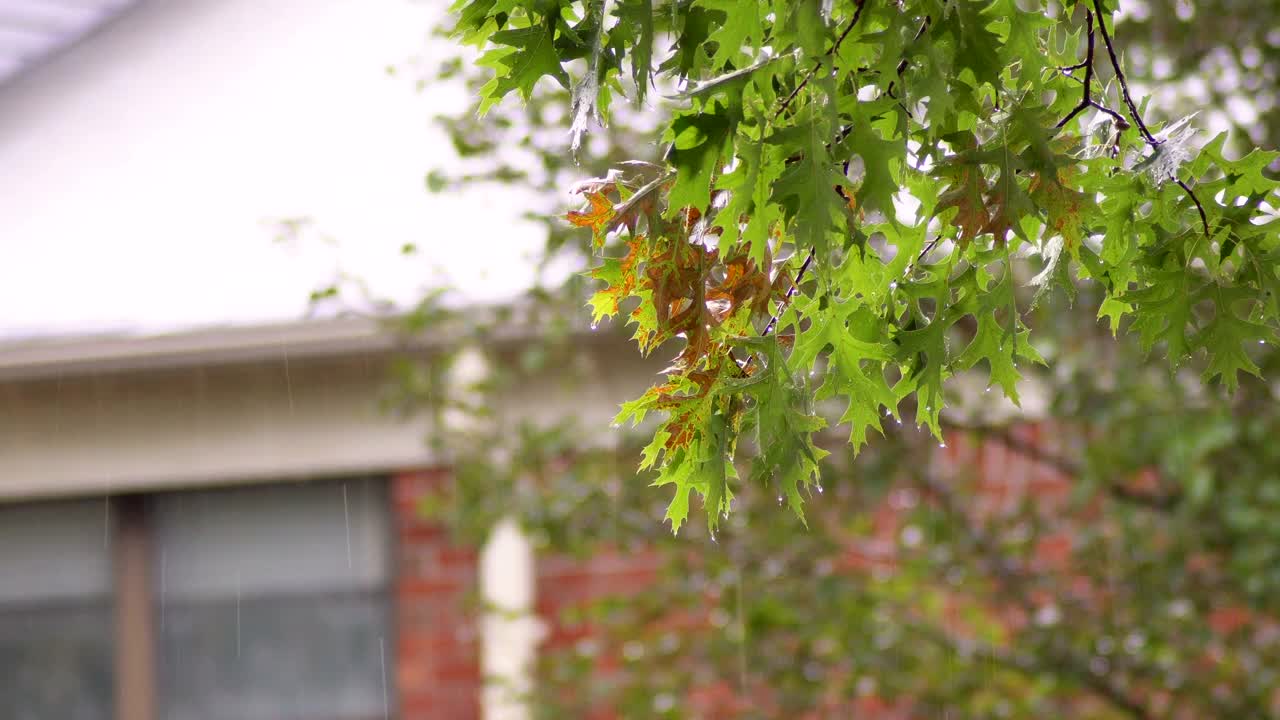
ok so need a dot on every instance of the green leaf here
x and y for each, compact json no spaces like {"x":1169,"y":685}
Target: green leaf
{"x":856,"y":371}
{"x":699,"y":144}
{"x":1162,"y":311}
{"x":635,"y":26}
{"x":528,"y":54}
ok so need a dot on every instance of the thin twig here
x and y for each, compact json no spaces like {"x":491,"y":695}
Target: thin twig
{"x":1124,"y":84}
{"x":1086,"y":98}
{"x":1204,"y":221}
{"x":1120,"y":121}
{"x":782,"y":306}
{"x":857,"y":13}
{"x":904,"y":62}
{"x":791,"y":291}
{"x":1087,"y":101}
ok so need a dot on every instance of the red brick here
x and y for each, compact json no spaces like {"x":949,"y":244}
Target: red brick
{"x":438,"y":672}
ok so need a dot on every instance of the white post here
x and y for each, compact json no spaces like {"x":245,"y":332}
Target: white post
{"x":510,"y":631}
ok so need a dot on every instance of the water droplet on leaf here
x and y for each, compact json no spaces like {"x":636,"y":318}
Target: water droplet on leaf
{"x":820,"y":488}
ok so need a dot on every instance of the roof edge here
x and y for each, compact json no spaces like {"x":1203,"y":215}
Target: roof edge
{"x":87,"y":355}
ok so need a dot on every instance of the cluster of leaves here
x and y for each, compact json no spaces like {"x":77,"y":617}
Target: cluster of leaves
{"x":1164,"y":607}
{"x":847,"y":186}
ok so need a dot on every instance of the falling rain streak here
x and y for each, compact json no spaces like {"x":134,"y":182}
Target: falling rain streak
{"x":163,"y":586}
{"x":288,"y":381}
{"x":382,"y":656}
{"x":346,"y":519}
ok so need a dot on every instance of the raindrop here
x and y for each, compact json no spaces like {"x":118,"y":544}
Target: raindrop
{"x":942,"y":444}
{"x":928,"y":408}
{"x":713,"y":538}
{"x":615,"y":425}
{"x":887,"y":412}
{"x":595,"y":325}
{"x":893,"y":285}
{"x":820,"y":490}
{"x":1048,"y":615}
{"x":779,"y":499}
{"x":988,"y":389}
{"x":633,"y":651}
{"x":899,"y":421}
{"x":1262,"y":342}
{"x":1133,"y":643}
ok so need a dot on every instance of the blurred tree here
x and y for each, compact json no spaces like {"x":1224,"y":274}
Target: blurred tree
{"x":1107,"y":550}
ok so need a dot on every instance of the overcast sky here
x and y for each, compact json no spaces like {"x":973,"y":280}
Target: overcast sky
{"x":140,"y":168}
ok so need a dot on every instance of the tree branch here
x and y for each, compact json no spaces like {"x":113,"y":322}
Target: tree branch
{"x":1155,"y":501}
{"x":1086,"y":99}
{"x":1124,"y":84}
{"x":857,"y":13}
{"x":1013,"y":584}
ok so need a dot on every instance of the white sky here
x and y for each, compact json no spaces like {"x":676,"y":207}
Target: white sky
{"x":137,"y":170}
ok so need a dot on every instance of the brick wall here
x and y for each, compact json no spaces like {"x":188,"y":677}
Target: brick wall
{"x":437,"y":648}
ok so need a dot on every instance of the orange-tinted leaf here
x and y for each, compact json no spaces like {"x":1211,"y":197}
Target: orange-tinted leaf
{"x":596,"y":216}
{"x":966,"y":195}
{"x":1062,"y":205}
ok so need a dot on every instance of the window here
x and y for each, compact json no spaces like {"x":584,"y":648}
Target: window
{"x":56,"y":621}
{"x":271,"y":602}
{"x":253,"y":603}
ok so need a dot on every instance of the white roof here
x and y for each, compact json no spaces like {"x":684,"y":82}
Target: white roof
{"x":31,"y":30}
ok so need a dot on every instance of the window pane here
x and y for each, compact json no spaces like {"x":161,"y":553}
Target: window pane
{"x":295,"y":657}
{"x":55,"y":612}
{"x":263,"y":614}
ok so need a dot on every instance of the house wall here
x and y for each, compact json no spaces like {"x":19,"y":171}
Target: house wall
{"x":150,"y":427}
{"x":275,"y":418}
